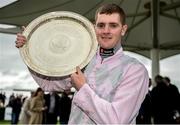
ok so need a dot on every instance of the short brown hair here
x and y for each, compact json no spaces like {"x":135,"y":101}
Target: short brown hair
{"x":111,"y":8}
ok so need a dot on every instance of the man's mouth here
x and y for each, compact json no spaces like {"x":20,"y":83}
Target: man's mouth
{"x":106,"y":37}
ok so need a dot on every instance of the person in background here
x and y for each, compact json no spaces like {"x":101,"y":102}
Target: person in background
{"x":174,"y":101}
{"x":52,"y":103}
{"x":145,"y":112}
{"x":112,"y":86}
{"x":11,"y":98}
{"x":25,"y":111}
{"x":16,"y":105}
{"x":160,"y":102}
{"x":37,"y":106}
{"x":65,"y":107}
{"x":3,"y":98}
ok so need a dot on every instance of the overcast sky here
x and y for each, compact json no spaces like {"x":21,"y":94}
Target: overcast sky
{"x":14,"y":74}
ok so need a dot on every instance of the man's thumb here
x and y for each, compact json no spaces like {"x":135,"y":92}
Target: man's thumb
{"x":78,"y":70}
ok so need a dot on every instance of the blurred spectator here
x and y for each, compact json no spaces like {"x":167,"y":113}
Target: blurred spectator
{"x":174,"y":100}
{"x":65,"y":107}
{"x":3,"y":98}
{"x":37,"y":107}
{"x":1,"y":104}
{"x":52,"y":103}
{"x":16,"y":105}
{"x":162,"y":102}
{"x":11,"y":98}
{"x":25,"y":111}
{"x":145,"y":112}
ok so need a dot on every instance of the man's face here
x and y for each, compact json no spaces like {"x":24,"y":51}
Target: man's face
{"x":109,"y":30}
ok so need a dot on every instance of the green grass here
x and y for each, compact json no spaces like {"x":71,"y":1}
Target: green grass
{"x":5,"y":122}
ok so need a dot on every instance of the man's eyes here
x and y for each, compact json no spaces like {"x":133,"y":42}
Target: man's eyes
{"x":111,"y":25}
{"x":100,"y":25}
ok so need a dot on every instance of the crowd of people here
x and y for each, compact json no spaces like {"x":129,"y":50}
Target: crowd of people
{"x":162,"y":103}
{"x":160,"y":106}
{"x":41,"y":107}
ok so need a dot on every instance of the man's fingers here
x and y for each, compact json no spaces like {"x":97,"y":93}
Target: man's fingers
{"x":19,"y":45}
{"x":22,"y":28}
{"x":78,"y":70}
{"x":73,"y":74}
{"x":19,"y":35}
{"x":20,"y":38}
{"x":77,"y":73}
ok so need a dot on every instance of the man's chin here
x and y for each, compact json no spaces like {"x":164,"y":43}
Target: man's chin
{"x":105,"y":47}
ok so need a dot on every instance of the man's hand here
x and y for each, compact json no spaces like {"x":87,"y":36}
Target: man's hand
{"x":78,"y":79}
{"x":20,"y":39}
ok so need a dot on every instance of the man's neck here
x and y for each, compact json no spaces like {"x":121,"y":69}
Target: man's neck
{"x":104,"y":53}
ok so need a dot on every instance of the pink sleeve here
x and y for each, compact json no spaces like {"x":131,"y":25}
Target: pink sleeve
{"x":51,"y":83}
{"x":125,"y":103}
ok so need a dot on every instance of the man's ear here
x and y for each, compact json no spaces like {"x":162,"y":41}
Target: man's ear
{"x":124,"y":29}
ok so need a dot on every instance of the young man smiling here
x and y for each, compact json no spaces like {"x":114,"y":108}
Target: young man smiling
{"x":113,"y":85}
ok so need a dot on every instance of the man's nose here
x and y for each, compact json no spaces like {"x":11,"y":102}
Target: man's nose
{"x":106,"y":29}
